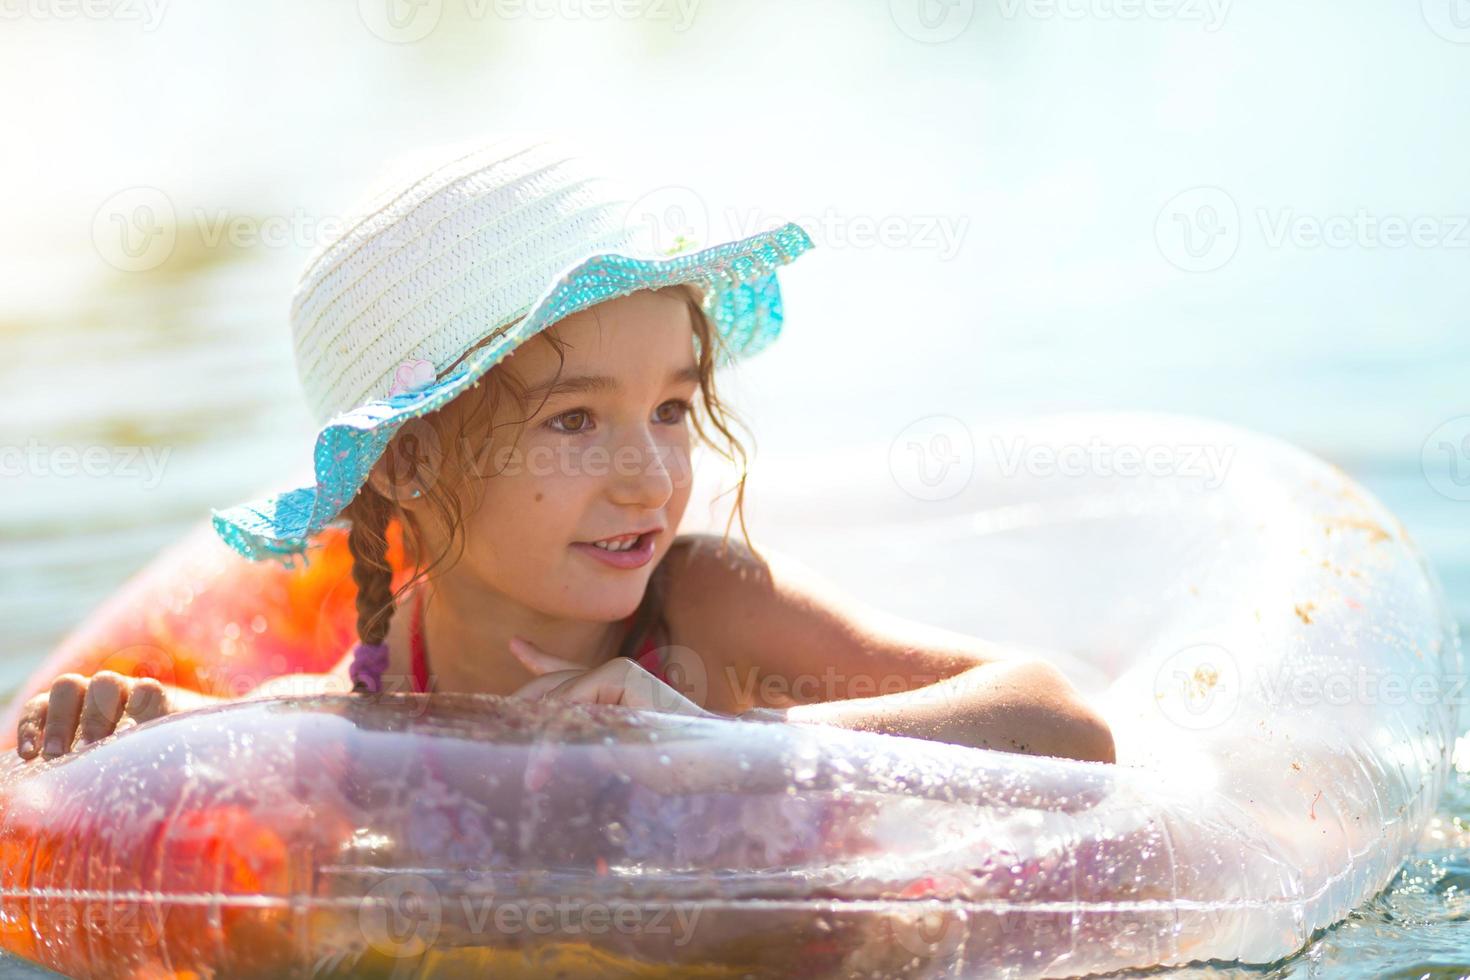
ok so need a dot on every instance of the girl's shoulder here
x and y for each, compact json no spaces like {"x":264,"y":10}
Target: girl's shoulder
{"x":765,"y":629}
{"x":731,"y":610}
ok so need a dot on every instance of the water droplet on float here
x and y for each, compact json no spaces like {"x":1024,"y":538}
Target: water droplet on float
{"x":616,"y":834}
{"x":664,"y":760}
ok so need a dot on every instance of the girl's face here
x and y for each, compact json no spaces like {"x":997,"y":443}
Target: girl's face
{"x":605,"y":454}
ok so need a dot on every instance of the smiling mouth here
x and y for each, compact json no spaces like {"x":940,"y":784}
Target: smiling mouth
{"x":628,"y":542}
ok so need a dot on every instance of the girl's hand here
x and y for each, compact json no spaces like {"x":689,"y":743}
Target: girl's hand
{"x":89,"y":708}
{"x":619,"y":681}
{"x":670,"y":767}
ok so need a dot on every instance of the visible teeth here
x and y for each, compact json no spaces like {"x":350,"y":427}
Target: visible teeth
{"x":620,"y":544}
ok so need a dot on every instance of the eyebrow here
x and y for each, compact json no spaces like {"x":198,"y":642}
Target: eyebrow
{"x":594,"y":383}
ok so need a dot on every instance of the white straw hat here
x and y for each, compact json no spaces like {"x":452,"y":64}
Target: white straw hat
{"x":499,"y":239}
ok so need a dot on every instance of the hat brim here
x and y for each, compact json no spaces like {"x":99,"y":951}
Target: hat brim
{"x":741,"y":296}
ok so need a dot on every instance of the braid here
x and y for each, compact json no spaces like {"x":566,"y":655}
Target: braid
{"x":368,"y":543}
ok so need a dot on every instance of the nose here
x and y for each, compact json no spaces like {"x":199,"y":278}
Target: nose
{"x":646,"y":470}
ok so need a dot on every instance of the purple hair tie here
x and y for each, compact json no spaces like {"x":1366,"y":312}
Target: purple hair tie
{"x":369,"y":660}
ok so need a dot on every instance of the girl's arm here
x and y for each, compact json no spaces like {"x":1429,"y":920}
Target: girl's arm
{"x":773,"y":634}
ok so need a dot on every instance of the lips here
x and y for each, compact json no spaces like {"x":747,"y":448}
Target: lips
{"x":635,"y":557}
{"x":624,"y":534}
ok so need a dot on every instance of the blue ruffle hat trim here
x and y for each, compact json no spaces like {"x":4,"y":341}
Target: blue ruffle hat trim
{"x":742,"y":298}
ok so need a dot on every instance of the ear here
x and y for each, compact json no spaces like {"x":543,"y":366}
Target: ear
{"x":405,"y":493}
{"x":409,"y":467}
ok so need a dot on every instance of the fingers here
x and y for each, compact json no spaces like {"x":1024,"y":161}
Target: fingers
{"x":107,"y":692}
{"x":147,"y":701}
{"x":62,"y":712}
{"x":537,"y":687}
{"x":604,"y":684}
{"x":623,"y":681}
{"x":28,"y":729}
{"x":82,"y":710}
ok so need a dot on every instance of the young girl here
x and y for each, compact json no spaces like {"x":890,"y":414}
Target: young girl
{"x":539,"y":494}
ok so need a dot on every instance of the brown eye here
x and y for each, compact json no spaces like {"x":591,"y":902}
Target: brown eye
{"x":578,"y":417}
{"x":681,"y":408}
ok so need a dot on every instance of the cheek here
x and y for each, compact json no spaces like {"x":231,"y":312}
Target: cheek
{"x":521,"y":513}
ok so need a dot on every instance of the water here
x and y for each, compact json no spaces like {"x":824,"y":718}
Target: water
{"x":1060,"y":146}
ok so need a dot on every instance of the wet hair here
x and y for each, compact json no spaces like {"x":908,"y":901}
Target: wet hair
{"x":415,"y":459}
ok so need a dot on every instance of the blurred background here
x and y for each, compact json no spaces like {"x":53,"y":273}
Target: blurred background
{"x":1254,"y":212}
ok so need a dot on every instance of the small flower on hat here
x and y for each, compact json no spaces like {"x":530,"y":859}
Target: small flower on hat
{"x":682,"y":243}
{"x":412,"y":375}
